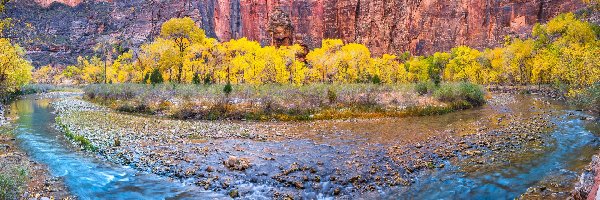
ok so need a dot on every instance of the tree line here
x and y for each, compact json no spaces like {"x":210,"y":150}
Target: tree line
{"x":563,"y":51}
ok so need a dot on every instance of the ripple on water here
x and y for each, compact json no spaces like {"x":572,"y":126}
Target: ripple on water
{"x":85,"y":176}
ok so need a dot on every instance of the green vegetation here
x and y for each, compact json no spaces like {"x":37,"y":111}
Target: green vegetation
{"x":282,"y":102}
{"x":423,"y":88}
{"x":589,"y":99}
{"x":465,"y":93}
{"x":81,"y":140}
{"x":13,"y":183}
{"x":44,"y":88}
{"x":15,"y":70}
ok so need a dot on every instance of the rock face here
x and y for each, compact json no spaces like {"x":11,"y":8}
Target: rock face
{"x":57,"y":31}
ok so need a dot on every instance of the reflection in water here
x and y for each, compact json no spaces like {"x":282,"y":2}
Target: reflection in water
{"x":86,"y":177}
{"x":557,"y":166}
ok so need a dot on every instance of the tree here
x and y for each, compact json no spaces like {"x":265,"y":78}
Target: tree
{"x":464,"y":65}
{"x":418,"y":69}
{"x":355,"y":59}
{"x":73,"y":73}
{"x":388,"y":69}
{"x":325,"y":60}
{"x":15,"y":71}
{"x":544,"y":64}
{"x":437,"y":65}
{"x":156,"y":77}
{"x":183,"y":32}
{"x":517,"y":57}
{"x":93,"y":70}
{"x":493,"y":67}
{"x":568,"y":54}
{"x":43,"y":75}
{"x":123,"y":69}
{"x":105,"y":47}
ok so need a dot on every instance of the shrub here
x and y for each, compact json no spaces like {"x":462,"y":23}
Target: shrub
{"x":376,"y":80}
{"x":423,"y":88}
{"x":446,"y":93}
{"x":156,"y":77}
{"x":588,"y":99}
{"x":207,"y":79}
{"x":461,"y":92}
{"x":13,"y":184}
{"x":471,"y":93}
{"x":228,"y":89}
{"x":331,"y":96}
{"x":196,"y":79}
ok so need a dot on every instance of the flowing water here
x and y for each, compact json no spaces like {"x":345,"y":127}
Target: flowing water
{"x":88,"y":177}
{"x":85,"y":176}
{"x":574,"y":143}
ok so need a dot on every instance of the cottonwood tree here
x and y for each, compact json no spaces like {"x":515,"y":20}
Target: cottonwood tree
{"x":183,"y":33}
{"x":15,"y":71}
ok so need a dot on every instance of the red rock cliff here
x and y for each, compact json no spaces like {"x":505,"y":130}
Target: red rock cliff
{"x":385,"y":26}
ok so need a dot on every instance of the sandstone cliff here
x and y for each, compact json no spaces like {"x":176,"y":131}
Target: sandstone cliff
{"x":57,"y":31}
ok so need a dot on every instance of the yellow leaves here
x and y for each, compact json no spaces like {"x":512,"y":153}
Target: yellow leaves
{"x":544,"y":66}
{"x":183,"y":31}
{"x":464,"y":65}
{"x":93,"y":69}
{"x":571,"y":29}
{"x":43,"y":75}
{"x":385,"y":68}
{"x":336,"y":62}
{"x":565,"y":50}
{"x":516,"y":57}
{"x":123,"y":70}
{"x":15,"y":71}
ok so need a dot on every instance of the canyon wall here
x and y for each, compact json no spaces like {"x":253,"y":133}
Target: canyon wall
{"x":57,"y":31}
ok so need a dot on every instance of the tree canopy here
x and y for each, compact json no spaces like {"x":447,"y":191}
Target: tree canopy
{"x":563,"y":51}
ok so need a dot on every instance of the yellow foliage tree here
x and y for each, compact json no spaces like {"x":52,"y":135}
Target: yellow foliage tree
{"x":92,"y":69}
{"x":15,"y":71}
{"x":182,"y":33}
{"x":562,"y":51}
{"x":464,"y":65}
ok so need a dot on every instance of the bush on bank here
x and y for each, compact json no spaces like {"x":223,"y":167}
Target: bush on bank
{"x":13,"y":183}
{"x":461,"y":92}
{"x":588,"y":100}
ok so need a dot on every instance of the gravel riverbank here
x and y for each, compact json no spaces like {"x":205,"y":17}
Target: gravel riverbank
{"x":274,"y":159}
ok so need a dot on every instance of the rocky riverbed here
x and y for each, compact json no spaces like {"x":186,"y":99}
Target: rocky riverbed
{"x":281,"y":160}
{"x":25,"y":178}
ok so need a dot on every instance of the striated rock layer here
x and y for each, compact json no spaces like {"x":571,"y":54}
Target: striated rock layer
{"x":56,"y":31}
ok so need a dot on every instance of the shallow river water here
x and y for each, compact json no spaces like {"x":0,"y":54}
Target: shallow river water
{"x":86,"y":176}
{"x":573,"y":141}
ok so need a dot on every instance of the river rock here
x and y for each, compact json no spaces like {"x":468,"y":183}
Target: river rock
{"x":235,"y":163}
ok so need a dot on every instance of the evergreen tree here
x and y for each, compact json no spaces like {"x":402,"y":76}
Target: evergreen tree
{"x":156,"y":77}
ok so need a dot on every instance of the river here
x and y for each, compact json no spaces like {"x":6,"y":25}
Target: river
{"x":568,"y":148}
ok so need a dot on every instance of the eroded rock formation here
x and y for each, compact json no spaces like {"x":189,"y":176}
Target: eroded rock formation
{"x":281,"y":29}
{"x":57,"y":31}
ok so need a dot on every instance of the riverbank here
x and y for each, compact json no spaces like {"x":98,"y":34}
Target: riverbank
{"x":326,"y":158}
{"x":587,"y":99}
{"x":21,"y":177}
{"x":588,"y":184}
